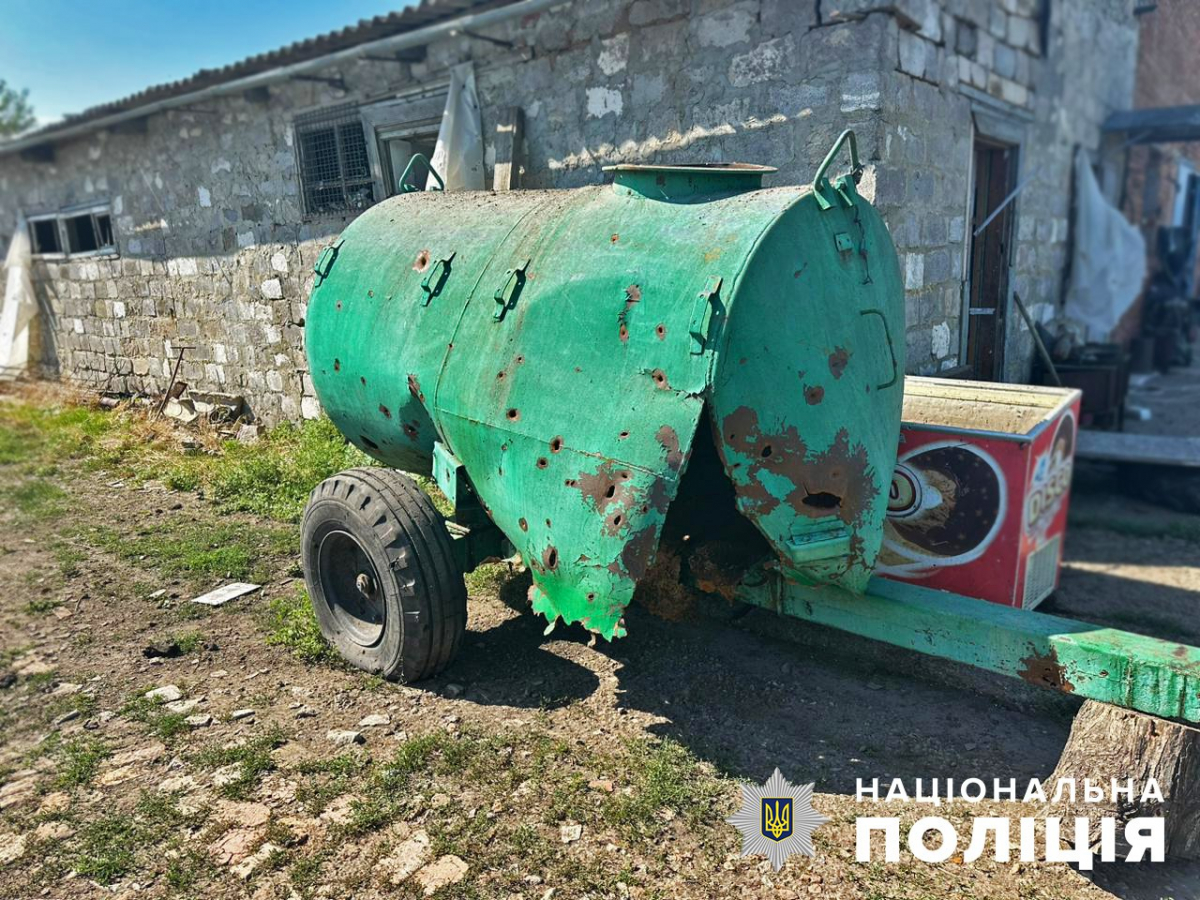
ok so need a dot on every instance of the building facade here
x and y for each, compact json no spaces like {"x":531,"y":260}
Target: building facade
{"x":191,"y":215}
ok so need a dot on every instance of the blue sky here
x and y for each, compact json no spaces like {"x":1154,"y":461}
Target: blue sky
{"x":73,"y":54}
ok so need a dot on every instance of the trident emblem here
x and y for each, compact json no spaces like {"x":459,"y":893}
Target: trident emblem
{"x":777,"y":818}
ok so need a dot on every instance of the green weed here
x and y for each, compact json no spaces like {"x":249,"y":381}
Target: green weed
{"x":292,"y":624}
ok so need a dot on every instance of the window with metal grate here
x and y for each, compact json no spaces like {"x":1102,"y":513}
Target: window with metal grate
{"x":335,"y":174}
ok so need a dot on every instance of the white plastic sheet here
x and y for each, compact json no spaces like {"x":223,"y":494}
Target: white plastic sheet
{"x":1108,"y":264}
{"x":458,"y":156}
{"x":19,"y":307}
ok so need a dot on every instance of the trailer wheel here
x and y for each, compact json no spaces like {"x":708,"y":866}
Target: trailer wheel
{"x":381,"y":574}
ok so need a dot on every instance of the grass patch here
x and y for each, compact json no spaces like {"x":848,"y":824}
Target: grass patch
{"x":292,"y":624}
{"x":664,"y":776}
{"x":253,"y":759}
{"x":37,"y":499}
{"x":198,"y":551}
{"x":159,"y":721}
{"x":39,"y":605}
{"x":79,"y":759}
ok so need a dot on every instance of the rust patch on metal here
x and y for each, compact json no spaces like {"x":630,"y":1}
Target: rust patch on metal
{"x":421,"y":263}
{"x":606,"y":486}
{"x":814,"y":394}
{"x":838,"y":360}
{"x":556,"y":444}
{"x":660,"y":379}
{"x":668,"y":439}
{"x":661,"y":331}
{"x":638,"y":552}
{"x":542,"y":462}
{"x":550,"y":558}
{"x":1045,"y":671}
{"x":623,"y":333}
{"x":633,"y":295}
{"x":614,"y":238}
{"x":337,"y":365}
{"x":387,"y":413}
{"x":410,"y":429}
{"x":1180,"y":652}
{"x":524,"y":525}
{"x":414,"y":387}
{"x":840,"y":474}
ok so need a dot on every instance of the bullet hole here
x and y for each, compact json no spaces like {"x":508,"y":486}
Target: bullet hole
{"x":624,"y":475}
{"x":513,"y":415}
{"x":617,"y":520}
{"x":504,"y":447}
{"x":547,"y":523}
{"x":550,"y":558}
{"x":571,"y":482}
{"x":823,"y":500}
{"x":556,"y":444}
{"x":362,"y":378}
{"x":411,"y":431}
{"x":524,"y":525}
{"x":387,"y":413}
{"x":370,"y":443}
{"x":542,"y":462}
{"x":591,"y":597}
{"x":421,"y":263}
{"x":500,"y":376}
{"x":371,"y":294}
{"x":338,"y":304}
{"x":623,"y":332}
{"x":615,"y":238}
{"x":660,"y":378}
{"x":520,"y":359}
{"x":623,"y":435}
{"x":661,"y":331}
{"x":766,"y":452}
{"x":337,"y":365}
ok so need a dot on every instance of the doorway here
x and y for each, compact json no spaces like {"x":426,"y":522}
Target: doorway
{"x":987,"y":307}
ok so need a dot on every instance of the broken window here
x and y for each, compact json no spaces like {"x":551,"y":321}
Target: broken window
{"x":335,"y":175}
{"x":76,"y":232}
{"x":43,"y":233}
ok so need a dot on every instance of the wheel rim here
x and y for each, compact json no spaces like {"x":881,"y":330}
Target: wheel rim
{"x":352,"y":588}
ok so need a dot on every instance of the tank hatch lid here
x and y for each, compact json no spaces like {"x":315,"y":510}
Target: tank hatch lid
{"x":683,"y":182}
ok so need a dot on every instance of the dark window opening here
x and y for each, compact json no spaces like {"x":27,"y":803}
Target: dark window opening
{"x":335,"y":174}
{"x":81,"y":234}
{"x":44,"y":234}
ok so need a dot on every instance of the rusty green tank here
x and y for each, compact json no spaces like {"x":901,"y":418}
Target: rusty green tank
{"x":588,"y":354}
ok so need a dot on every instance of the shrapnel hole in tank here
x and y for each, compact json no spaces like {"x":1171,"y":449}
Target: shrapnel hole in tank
{"x":707,"y":545}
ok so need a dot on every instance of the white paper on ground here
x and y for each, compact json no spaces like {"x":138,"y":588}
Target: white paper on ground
{"x":225,"y":594}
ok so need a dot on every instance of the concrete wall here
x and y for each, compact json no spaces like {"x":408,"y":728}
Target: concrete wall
{"x":215,"y":251}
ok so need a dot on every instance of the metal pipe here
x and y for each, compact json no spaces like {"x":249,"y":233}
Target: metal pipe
{"x":415,"y":38}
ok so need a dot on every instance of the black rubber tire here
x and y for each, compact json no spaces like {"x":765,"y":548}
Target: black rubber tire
{"x":395,"y":534}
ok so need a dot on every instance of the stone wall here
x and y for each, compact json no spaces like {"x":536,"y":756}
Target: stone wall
{"x":215,"y":251}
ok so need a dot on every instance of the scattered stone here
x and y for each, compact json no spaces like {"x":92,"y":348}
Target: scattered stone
{"x":246,"y":867}
{"x":176,"y":783}
{"x":22,"y":786}
{"x":570,"y":833}
{"x":345,"y":737}
{"x":874,"y":686}
{"x":454,"y":690}
{"x":218,"y":673}
{"x":602,"y":784}
{"x":54,"y":803}
{"x":200,"y":720}
{"x":223,"y":595}
{"x":377,"y":720}
{"x":227,"y":774}
{"x":339,"y":811}
{"x":290,"y":755}
{"x":443,"y":871}
{"x":234,"y":846}
{"x":405,"y":859}
{"x":168,"y":693}
{"x":12,"y":847}
{"x":246,"y":815}
{"x":159,"y":593}
{"x":69,"y":716}
{"x":306,"y":712}
{"x":35,"y":667}
{"x":249,"y":434}
{"x":170,"y":650}
{"x":66,"y":688}
{"x":53,"y":831}
{"x":437,"y":801}
{"x":239,"y":714}
{"x":183,"y":707}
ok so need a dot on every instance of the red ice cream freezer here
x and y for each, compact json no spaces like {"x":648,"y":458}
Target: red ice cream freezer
{"x":978,"y":502}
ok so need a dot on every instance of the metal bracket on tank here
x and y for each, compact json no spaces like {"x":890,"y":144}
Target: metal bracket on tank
{"x":432,"y":283}
{"x":506,"y":296}
{"x":702,"y":314}
{"x":325,"y":261}
{"x":842,"y":187}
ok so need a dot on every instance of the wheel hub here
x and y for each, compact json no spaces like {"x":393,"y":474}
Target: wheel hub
{"x":352,"y":588}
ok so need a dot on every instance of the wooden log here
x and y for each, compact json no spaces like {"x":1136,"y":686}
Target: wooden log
{"x":509,"y":143}
{"x":1107,"y":743}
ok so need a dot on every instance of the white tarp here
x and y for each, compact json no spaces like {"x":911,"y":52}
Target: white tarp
{"x":1108,"y":264}
{"x":458,"y":156}
{"x":19,"y":307}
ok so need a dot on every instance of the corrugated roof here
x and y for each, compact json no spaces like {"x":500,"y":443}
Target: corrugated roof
{"x":427,"y":12}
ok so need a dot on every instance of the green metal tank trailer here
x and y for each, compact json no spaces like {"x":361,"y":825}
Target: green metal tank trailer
{"x":681,"y":362}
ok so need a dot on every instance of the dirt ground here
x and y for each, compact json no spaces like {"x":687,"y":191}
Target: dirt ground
{"x":535,"y":767}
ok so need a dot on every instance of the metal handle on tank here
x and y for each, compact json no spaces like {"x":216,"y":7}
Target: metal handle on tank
{"x":840,"y":185}
{"x":407,"y":187}
{"x":887,"y":334}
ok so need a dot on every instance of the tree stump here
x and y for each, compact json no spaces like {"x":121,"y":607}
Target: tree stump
{"x":1108,"y":742}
